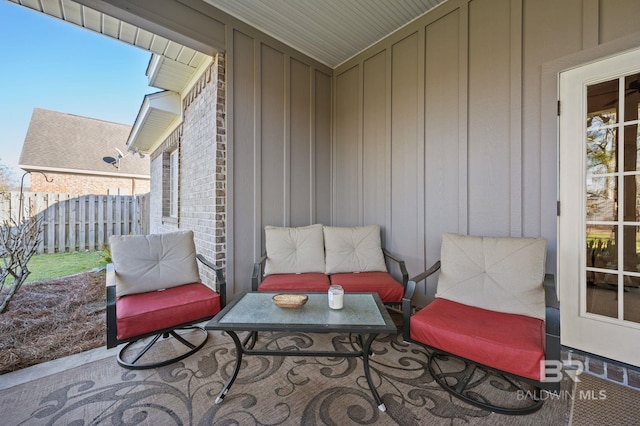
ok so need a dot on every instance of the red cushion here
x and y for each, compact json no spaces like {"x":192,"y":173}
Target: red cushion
{"x":295,"y":282}
{"x":507,"y":342}
{"x":389,"y":290}
{"x":144,"y":313}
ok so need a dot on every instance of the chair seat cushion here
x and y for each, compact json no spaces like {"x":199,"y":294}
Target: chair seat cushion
{"x":507,"y":342}
{"x":310,"y":282}
{"x":143,"y":313}
{"x":389,"y":290}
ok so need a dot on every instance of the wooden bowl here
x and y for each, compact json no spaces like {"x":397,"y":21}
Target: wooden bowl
{"x":290,"y":300}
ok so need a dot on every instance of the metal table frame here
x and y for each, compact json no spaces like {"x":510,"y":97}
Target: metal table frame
{"x":363,"y":313}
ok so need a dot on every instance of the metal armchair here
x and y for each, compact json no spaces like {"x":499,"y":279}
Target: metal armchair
{"x":496,"y":312}
{"x":154,"y":291}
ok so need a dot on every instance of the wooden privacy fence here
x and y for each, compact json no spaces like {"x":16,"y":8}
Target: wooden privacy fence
{"x":79,"y":222}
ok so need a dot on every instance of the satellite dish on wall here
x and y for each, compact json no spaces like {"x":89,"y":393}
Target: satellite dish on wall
{"x":110,"y":160}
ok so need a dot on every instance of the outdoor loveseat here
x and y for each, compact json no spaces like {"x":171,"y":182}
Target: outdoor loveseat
{"x":311,"y":258}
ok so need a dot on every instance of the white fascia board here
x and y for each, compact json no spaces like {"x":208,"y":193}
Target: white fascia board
{"x":152,"y":67}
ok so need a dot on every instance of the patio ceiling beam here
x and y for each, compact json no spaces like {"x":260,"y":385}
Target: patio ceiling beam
{"x":173,"y":19}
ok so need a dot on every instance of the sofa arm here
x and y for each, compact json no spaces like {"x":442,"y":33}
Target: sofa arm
{"x":552,"y":325}
{"x":221,"y":282}
{"x":401,"y":265}
{"x":408,"y":295}
{"x":112,"y":340}
{"x":258,"y":272}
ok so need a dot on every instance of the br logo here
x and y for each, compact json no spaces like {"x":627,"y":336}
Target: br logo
{"x":552,"y":370}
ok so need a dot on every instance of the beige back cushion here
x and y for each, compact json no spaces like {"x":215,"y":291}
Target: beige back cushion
{"x":356,"y":249}
{"x":498,"y":274}
{"x":153,"y":262}
{"x":294,"y":250}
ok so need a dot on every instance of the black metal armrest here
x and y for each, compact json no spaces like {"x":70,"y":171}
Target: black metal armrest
{"x":401,"y":265}
{"x":256,"y":276}
{"x":426,"y":274}
{"x":408,"y":295}
{"x":552,"y":307}
{"x":112,"y":339}
{"x":552,"y":325}
{"x":550,"y":294}
{"x":221,"y":282}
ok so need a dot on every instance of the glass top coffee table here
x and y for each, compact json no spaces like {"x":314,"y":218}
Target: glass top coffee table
{"x":363,"y":313}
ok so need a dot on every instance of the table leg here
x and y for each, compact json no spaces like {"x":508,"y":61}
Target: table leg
{"x":236,"y":368}
{"x":367,"y":372}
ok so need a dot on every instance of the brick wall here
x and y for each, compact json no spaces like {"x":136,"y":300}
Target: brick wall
{"x":201,"y":141}
{"x":69,"y":183}
{"x":623,"y":374}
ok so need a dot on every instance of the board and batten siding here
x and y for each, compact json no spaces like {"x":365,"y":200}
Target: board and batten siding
{"x":448,"y":124}
{"x":280,"y":110}
{"x":445,"y":125}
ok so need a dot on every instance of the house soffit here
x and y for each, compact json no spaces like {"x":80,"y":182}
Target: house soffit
{"x":102,"y":23}
{"x":158,"y":113}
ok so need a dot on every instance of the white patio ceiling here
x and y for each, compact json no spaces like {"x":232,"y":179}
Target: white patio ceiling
{"x":330,"y":31}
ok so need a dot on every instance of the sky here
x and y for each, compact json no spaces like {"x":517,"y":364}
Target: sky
{"x":51,"y":64}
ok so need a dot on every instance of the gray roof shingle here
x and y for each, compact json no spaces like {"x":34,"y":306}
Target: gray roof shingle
{"x":74,"y":143}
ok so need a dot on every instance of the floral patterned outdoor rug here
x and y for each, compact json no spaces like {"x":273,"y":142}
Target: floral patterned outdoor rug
{"x":269,"y":390}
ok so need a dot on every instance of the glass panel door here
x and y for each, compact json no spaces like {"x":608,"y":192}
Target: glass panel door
{"x":599,"y":224}
{"x":612,"y":202}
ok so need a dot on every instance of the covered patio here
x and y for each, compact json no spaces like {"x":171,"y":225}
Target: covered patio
{"x":421,"y":116}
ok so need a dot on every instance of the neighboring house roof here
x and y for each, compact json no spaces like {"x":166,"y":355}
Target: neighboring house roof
{"x":62,"y":142}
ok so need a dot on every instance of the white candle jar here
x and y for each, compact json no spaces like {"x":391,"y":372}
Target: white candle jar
{"x":336,"y":297}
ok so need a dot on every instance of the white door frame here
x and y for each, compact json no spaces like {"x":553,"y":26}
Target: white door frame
{"x":607,"y":337}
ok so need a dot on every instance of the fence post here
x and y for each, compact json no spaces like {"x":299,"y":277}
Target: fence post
{"x":73,"y":220}
{"x":101,"y":224}
{"x":51,"y":222}
{"x":91,"y":221}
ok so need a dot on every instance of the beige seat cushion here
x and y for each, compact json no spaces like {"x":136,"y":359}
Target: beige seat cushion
{"x":356,"y":249}
{"x":153,"y":262}
{"x":497,"y":273}
{"x":294,"y":250}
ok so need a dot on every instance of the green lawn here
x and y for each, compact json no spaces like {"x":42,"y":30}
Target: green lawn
{"x":47,"y":266}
